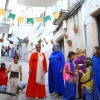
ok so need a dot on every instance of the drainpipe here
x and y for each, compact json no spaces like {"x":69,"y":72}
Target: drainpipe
{"x":22,"y":51}
{"x":6,"y":4}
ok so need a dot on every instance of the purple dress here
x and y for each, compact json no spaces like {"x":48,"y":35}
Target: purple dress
{"x":80,"y":62}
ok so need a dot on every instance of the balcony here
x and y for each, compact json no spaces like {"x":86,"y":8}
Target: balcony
{"x":62,"y":8}
{"x":4,"y":28}
{"x":62,"y":16}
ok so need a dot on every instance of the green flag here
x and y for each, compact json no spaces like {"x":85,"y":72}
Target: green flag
{"x":30,"y":20}
{"x":47,"y":18}
{"x":11,"y":16}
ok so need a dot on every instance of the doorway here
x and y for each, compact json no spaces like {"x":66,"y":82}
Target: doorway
{"x":61,"y":43}
{"x":98,"y":25}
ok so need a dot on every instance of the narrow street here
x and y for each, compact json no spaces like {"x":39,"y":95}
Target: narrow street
{"x":24,"y":64}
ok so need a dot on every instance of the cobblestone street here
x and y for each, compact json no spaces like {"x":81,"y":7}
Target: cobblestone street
{"x":24,"y":64}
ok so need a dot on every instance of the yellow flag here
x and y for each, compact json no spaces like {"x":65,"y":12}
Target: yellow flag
{"x":2,"y":12}
{"x":39,"y":19}
{"x":56,"y":14}
{"x":20,"y":19}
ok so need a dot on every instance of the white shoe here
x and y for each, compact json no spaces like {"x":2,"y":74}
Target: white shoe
{"x":17,"y":94}
{"x":56,"y":95}
{"x":11,"y":98}
{"x":36,"y":97}
{"x":53,"y":93}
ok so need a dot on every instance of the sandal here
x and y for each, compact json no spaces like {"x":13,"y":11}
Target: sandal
{"x":55,"y":95}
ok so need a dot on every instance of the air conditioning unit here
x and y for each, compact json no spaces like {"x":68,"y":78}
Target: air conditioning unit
{"x":64,"y":24}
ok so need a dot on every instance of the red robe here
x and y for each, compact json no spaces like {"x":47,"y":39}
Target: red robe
{"x":15,"y":53}
{"x":3,"y":78}
{"x":34,"y":89}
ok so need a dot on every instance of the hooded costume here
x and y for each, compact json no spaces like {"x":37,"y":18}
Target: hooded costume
{"x":36,"y":80}
{"x":56,"y":64}
{"x":79,"y":61}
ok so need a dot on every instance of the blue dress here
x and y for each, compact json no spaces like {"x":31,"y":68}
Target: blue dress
{"x":55,"y":78}
{"x":96,"y":68}
{"x":12,"y":53}
{"x":70,"y":87}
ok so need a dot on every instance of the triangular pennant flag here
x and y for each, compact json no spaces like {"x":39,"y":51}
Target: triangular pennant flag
{"x":56,"y":14}
{"x":20,"y":19}
{"x":2,"y":12}
{"x":12,"y":16}
{"x":30,"y":20}
{"x":47,"y":18}
{"x":39,"y":19}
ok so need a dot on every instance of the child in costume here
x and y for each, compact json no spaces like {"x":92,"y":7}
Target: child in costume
{"x":15,"y":68}
{"x":3,"y":76}
{"x":87,"y":80}
{"x":69,"y":77}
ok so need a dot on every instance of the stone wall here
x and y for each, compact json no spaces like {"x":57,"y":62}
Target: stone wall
{"x":85,"y":20}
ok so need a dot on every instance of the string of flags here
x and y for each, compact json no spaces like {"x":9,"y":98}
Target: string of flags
{"x":21,"y":19}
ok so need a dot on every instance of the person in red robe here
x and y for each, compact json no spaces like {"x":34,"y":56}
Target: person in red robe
{"x":15,"y":52}
{"x":37,"y":69}
{"x":3,"y":75}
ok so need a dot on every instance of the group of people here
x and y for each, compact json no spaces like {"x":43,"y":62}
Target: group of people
{"x":14,"y":52}
{"x":78,"y":77}
{"x":5,"y":50}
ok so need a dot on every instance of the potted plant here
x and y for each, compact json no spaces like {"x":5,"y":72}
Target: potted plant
{"x":46,"y":42}
{"x":69,"y":42}
{"x":44,"y":39}
{"x":52,"y":42}
{"x":1,"y":40}
{"x":65,"y":36}
{"x":40,"y":40}
{"x":75,"y":29}
{"x":35,"y":44}
{"x":42,"y":45}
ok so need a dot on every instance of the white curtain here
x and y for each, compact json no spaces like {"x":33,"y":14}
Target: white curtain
{"x":23,"y":31}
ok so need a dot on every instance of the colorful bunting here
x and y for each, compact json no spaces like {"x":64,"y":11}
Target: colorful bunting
{"x":2,"y":12}
{"x":30,"y":20}
{"x":12,"y":16}
{"x":39,"y":19}
{"x":47,"y":18}
{"x":20,"y":19}
{"x":56,"y":15}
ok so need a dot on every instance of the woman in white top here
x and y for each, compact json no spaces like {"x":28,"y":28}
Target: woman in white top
{"x":15,"y":68}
